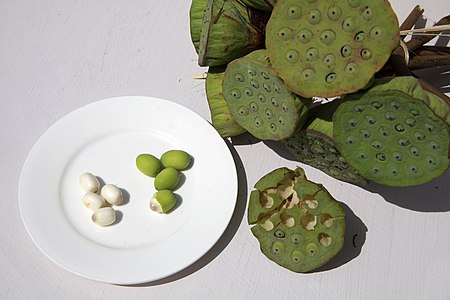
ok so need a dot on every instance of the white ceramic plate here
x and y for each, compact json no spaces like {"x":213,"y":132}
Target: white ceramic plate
{"x":104,"y":138}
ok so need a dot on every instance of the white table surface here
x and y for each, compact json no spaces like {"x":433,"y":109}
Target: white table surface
{"x":56,"y":56}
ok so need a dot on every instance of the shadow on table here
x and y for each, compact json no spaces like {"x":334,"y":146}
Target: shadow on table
{"x":355,"y":237}
{"x":226,"y":237}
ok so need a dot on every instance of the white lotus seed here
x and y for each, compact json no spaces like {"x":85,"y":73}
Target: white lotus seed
{"x":89,"y":182}
{"x":112,"y":194}
{"x":93,"y":201}
{"x":104,"y":216}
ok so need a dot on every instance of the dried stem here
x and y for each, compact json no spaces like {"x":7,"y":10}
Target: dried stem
{"x":419,"y":40}
{"x":412,"y":18}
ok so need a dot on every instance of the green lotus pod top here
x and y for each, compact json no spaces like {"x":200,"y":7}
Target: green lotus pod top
{"x":260,"y":102}
{"x":265,"y":5}
{"x":330,"y":48}
{"x":221,"y":117}
{"x":196,"y":13}
{"x":226,"y":33}
{"x":297,"y":222}
{"x":411,"y":86}
{"x":391,"y":138}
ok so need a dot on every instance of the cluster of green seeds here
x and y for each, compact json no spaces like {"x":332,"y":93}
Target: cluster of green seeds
{"x":166,"y":172}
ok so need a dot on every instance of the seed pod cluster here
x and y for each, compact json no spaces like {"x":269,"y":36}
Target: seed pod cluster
{"x":166,"y":172}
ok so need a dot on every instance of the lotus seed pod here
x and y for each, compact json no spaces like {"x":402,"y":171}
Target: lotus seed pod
{"x":196,"y":13}
{"x":260,"y":102}
{"x":265,"y":5}
{"x":163,"y":201}
{"x":227,"y":33}
{"x":148,"y":164}
{"x":221,"y":117}
{"x":411,"y":86}
{"x":300,"y":232}
{"x":177,"y":159}
{"x":314,"y":145}
{"x":391,"y":138}
{"x":330,"y":48}
{"x":167,"y":179}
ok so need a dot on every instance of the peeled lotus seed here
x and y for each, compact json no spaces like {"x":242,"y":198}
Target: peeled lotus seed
{"x":89,"y":182}
{"x":163,"y":201}
{"x":112,"y":194}
{"x":93,"y":201}
{"x":177,"y":159}
{"x":104,"y":216}
{"x":167,"y":179}
{"x":148,"y":164}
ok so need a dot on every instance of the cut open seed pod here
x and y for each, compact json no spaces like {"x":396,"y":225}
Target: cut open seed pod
{"x":303,"y":228}
{"x":391,"y":138}
{"x":260,"y":102}
{"x":221,"y":117}
{"x":226,"y":33}
{"x":330,"y":48}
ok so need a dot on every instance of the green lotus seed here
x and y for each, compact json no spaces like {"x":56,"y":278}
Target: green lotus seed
{"x":239,"y":77}
{"x":312,"y":249}
{"x":248,"y":92}
{"x":285,"y":34}
{"x":329,"y":60}
{"x":243,"y":111}
{"x":167,"y":179}
{"x":254,"y":106}
{"x":258,"y":122}
{"x":367,"y":13}
{"x":349,"y":24}
{"x":163,"y":201}
{"x":148,"y":164}
{"x":292,"y":56}
{"x":277,"y":248}
{"x":360,"y":36}
{"x":308,"y":74}
{"x":296,"y":238}
{"x":366,"y":54}
{"x":346,"y":51}
{"x":327,"y":36}
{"x":376,"y":32}
{"x":261,"y":98}
{"x":331,"y":77}
{"x":236,"y":93}
{"x":297,"y":256}
{"x":294,"y":12}
{"x":350,"y":68}
{"x":269,"y":114}
{"x":177,"y":159}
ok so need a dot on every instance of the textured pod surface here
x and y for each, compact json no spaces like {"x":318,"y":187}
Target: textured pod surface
{"x":392,"y":138}
{"x":412,"y":87}
{"x":196,"y":12}
{"x":330,"y":48}
{"x":226,"y":33}
{"x":319,"y":151}
{"x":303,"y":228}
{"x":314,"y":145}
{"x":260,"y":102}
{"x":221,"y":117}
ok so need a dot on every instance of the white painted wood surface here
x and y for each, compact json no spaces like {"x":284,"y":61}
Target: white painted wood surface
{"x":56,"y":56}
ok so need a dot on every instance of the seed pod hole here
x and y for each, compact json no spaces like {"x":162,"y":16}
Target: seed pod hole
{"x":305,"y":36}
{"x":314,"y":17}
{"x":414,"y":112}
{"x":346,"y":51}
{"x":235,"y":93}
{"x":375,"y":170}
{"x":350,"y":68}
{"x":329,"y":61}
{"x":276,"y":88}
{"x":279,"y":234}
{"x":274,"y":102}
{"x":327,"y":36}
{"x":370,"y":119}
{"x":312,"y":249}
{"x":377,"y":104}
{"x":248,"y":92}
{"x":414,"y":151}
{"x":360,"y":36}
{"x":403,"y":142}
{"x":354,"y":3}
{"x":429,"y":127}
{"x":431,"y":161}
{"x":399,"y":128}
{"x":413,"y":169}
{"x":366,"y":53}
{"x":377,"y":145}
{"x":334,"y":12}
{"x":265,"y":75}
{"x":258,"y":122}
{"x":269,"y":114}
{"x":243,"y":111}
{"x":352,"y":122}
{"x":360,"y":108}
{"x":285,"y":34}
{"x":251,"y":72}
{"x":397,"y":156}
{"x":419,"y":136}
{"x":376,"y":32}
{"x":365,"y":133}
{"x":277,"y":248}
{"x":331,"y":77}
{"x":254,"y":83}
{"x":267,"y":87}
{"x":261,"y":98}
{"x":254,"y":106}
{"x":312,"y":54}
{"x":324,"y":239}
{"x":297,"y":256}
{"x":294,"y":12}
{"x":239,"y":77}
{"x":381,"y":156}
{"x":308,"y":221}
{"x":348,"y":24}
{"x":362,"y":155}
{"x":384,"y":131}
{"x":434,"y":145}
{"x":296,"y":238}
{"x":308,"y":74}
{"x":273,"y":126}
{"x":350,"y":140}
{"x":367,"y":13}
{"x":394,"y":172}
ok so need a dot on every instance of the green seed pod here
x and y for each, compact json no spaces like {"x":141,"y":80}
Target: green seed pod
{"x":148,"y":164}
{"x":163,"y":201}
{"x":167,"y":179}
{"x":314,"y":145}
{"x":259,"y":101}
{"x":196,"y":12}
{"x":331,"y":48}
{"x":303,"y":228}
{"x":177,"y":159}
{"x":227,"y":33}
{"x":394,"y":139}
{"x":221,"y":117}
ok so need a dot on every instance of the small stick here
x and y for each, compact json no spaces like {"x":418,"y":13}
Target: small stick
{"x":411,"y":19}
{"x":427,"y":61}
{"x":420,"y":40}
{"x":434,"y":49}
{"x":426,"y":30}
